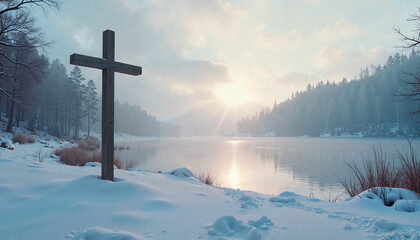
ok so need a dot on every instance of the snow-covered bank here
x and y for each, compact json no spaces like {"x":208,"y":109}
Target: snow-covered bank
{"x":118,"y":137}
{"x":48,"y":200}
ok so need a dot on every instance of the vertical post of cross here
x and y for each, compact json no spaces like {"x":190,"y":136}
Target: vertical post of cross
{"x":108,"y":52}
{"x":108,"y":66}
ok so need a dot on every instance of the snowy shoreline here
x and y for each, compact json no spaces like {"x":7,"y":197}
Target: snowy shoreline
{"x":49,"y":200}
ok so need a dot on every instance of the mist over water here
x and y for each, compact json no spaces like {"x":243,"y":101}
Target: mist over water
{"x":265,"y":165}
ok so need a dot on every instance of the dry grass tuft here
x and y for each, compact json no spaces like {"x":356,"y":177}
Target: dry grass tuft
{"x":376,"y":172}
{"x":383,"y":173}
{"x":31,"y":140}
{"x":20,"y":138}
{"x":410,"y":168}
{"x":73,"y":156}
{"x":90,"y":144}
{"x":40,"y":155}
{"x":208,"y":177}
{"x":76,"y":156}
{"x":123,"y":165}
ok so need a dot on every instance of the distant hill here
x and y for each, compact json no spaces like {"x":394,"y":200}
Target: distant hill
{"x":214,"y":118}
{"x":132,"y":119}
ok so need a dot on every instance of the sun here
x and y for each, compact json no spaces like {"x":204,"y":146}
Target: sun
{"x":233,"y":93}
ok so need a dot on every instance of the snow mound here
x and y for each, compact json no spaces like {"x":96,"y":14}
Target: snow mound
{"x":263,"y":223}
{"x":93,"y":164}
{"x":96,"y":233}
{"x":400,"y":199}
{"x":282,"y":200}
{"x":96,"y":164}
{"x":6,"y":143}
{"x":229,"y":226}
{"x":247,"y":201}
{"x":386,"y":226}
{"x":289,"y":194}
{"x":407,"y":205}
{"x":291,"y":198}
{"x":297,"y":196}
{"x":182,"y":172}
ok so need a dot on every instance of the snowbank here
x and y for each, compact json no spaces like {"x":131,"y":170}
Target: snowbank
{"x":48,"y":200}
{"x":103,"y":234}
{"x":228,"y":226}
{"x":402,"y":200}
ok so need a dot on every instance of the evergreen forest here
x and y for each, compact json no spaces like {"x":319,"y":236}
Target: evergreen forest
{"x":374,"y":104}
{"x":45,"y":97}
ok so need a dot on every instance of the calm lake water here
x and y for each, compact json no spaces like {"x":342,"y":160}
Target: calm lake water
{"x":265,"y":165}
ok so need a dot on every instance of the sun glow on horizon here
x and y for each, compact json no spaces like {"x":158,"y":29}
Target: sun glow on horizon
{"x":233,"y":94}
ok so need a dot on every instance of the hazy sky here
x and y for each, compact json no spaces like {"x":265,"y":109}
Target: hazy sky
{"x":195,"y":51}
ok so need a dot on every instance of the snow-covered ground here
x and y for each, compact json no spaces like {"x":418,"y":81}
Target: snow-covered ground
{"x":40,"y":198}
{"x":118,"y":137}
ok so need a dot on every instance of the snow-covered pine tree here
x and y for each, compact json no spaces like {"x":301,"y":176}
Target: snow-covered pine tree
{"x":55,"y":130}
{"x":33,"y":121}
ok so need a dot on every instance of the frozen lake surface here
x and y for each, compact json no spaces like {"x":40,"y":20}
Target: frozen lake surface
{"x":267,"y":165}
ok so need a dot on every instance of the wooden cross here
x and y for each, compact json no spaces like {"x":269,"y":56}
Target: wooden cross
{"x":108,"y":66}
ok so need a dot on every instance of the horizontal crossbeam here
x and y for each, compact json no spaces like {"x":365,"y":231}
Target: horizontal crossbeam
{"x":102,"y":63}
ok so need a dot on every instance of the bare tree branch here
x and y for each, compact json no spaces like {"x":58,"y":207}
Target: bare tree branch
{"x":411,"y":42}
{"x":8,"y":97}
{"x":16,"y":22}
{"x":13,"y":5}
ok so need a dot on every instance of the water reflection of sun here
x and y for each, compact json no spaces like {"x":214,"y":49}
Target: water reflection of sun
{"x":234,"y":173}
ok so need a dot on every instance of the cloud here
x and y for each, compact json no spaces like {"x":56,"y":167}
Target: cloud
{"x":392,"y":36}
{"x":277,"y":39}
{"x":296,"y":80}
{"x":190,"y":22}
{"x":313,"y":1}
{"x":261,"y":71}
{"x":164,"y":101}
{"x":194,"y":73}
{"x":340,"y":31}
{"x":155,"y":34}
{"x":84,"y":37}
{"x":247,"y":53}
{"x":188,"y":48}
{"x":336,"y":63}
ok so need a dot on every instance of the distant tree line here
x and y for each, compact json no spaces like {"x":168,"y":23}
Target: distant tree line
{"x":370,"y":105}
{"x":64,"y":104}
{"x":132,"y":119}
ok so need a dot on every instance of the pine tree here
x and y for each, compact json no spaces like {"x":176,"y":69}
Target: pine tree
{"x":79,"y":91}
{"x":33,"y":121}
{"x":313,"y":120}
{"x":53,"y":101}
{"x":362,"y":107}
{"x":90,"y":105}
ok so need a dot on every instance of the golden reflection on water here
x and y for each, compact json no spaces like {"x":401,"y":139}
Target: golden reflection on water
{"x":234,"y":173}
{"x":280,"y":179}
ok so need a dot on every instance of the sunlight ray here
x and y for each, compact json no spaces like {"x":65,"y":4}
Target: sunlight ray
{"x":222,"y":118}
